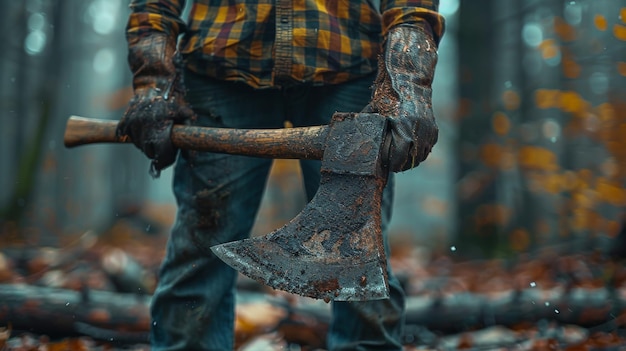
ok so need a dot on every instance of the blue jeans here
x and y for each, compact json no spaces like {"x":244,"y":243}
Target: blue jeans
{"x":218,"y":197}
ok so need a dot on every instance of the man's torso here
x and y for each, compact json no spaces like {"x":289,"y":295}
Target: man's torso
{"x":277,"y":43}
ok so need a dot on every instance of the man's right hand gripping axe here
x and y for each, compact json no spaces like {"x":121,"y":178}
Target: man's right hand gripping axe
{"x":159,"y":100}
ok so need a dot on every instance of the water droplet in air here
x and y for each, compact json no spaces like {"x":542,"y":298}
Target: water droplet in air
{"x":547,"y":303}
{"x":453,"y":248}
{"x":533,"y":284}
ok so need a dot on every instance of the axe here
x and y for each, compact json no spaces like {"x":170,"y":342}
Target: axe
{"x":333,"y":249}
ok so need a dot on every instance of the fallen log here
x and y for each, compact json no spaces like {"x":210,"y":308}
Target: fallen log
{"x":126,"y":274}
{"x":67,"y":312}
{"x":585,"y":307}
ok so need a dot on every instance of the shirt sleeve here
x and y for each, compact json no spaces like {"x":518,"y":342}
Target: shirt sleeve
{"x":150,"y":16}
{"x":416,"y":12}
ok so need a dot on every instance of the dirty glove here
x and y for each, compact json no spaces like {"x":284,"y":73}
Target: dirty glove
{"x":159,"y":99}
{"x":402,"y":93}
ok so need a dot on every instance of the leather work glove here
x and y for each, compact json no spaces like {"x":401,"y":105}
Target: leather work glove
{"x":402,"y":92}
{"x":158,"y":102}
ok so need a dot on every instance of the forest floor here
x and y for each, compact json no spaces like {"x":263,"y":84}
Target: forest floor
{"x":548,"y":300}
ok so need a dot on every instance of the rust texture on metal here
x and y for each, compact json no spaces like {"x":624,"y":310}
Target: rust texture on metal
{"x":333,"y":249}
{"x":354,"y":145}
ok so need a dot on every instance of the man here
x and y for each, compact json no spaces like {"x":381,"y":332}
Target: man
{"x":257,"y":64}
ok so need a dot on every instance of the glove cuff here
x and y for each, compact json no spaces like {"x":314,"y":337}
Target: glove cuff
{"x":410,"y":49}
{"x":402,"y":92}
{"x":156,"y":66}
{"x":405,"y":70}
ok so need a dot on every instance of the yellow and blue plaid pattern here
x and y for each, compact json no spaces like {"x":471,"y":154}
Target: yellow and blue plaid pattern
{"x":269,"y":43}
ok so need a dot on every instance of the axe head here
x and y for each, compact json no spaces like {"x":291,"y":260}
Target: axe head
{"x":333,"y":249}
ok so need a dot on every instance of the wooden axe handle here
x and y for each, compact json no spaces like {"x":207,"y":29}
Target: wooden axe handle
{"x":292,"y":143}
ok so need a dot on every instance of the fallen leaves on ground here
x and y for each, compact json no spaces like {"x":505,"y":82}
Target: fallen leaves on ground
{"x":125,"y":260}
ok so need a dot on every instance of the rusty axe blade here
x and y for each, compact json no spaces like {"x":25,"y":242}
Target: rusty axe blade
{"x":333,"y":249}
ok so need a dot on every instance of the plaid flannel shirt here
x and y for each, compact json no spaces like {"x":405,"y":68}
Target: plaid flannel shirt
{"x":271,"y":43}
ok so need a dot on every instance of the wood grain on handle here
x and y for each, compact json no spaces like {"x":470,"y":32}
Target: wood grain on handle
{"x":292,"y":143}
